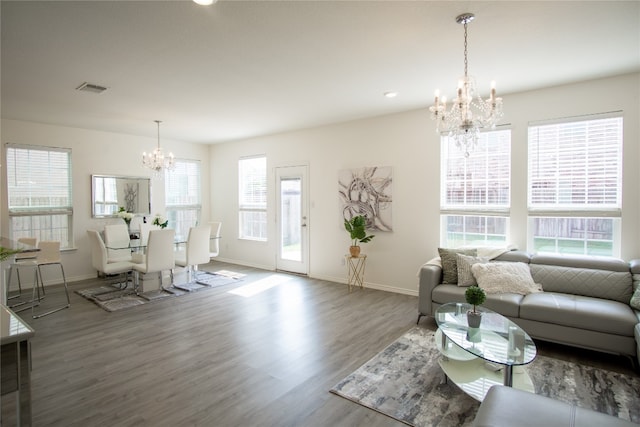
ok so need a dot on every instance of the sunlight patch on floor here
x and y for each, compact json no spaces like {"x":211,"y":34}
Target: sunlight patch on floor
{"x":261,"y":285}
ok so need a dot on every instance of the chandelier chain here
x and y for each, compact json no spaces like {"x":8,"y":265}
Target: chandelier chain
{"x":466,"y":62}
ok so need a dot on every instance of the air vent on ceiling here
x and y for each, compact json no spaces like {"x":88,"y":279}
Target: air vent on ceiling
{"x":90,"y":87}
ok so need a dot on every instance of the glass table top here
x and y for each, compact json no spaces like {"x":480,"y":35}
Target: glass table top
{"x":497,"y":340}
{"x":12,"y":327}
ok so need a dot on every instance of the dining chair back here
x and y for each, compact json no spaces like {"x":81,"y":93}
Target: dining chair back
{"x":49,"y":254}
{"x":27,"y":241}
{"x":160,"y":255}
{"x":197,"y":250}
{"x":214,"y":242}
{"x":145,"y":228}
{"x":117,"y":236}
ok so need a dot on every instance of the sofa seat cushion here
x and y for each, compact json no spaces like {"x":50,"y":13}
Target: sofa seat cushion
{"x":579,"y":312}
{"x":505,"y":304}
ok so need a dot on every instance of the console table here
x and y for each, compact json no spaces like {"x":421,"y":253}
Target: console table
{"x":15,"y":355}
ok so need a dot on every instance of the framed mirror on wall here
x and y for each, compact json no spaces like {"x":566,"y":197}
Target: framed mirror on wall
{"x":109,"y":192}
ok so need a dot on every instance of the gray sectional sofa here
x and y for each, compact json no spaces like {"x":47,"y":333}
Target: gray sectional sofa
{"x":584,"y":303}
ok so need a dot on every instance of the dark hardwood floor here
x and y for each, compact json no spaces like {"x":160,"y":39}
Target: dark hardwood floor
{"x":216,"y":358}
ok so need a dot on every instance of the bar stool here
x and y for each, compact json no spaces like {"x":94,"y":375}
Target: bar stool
{"x":22,"y":260}
{"x":49,"y":254}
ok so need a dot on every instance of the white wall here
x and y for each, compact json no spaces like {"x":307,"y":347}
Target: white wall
{"x":408,"y":143}
{"x":95,"y":152}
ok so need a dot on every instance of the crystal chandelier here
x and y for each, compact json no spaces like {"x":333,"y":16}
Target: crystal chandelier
{"x":156,"y":160}
{"x":469,"y":112}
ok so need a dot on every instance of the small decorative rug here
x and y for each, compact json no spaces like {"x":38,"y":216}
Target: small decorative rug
{"x":113,"y":298}
{"x":405,"y":382}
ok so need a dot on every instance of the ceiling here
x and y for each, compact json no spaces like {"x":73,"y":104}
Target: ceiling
{"x":239,"y":69}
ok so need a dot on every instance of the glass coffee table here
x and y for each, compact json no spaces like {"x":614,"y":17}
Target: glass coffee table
{"x":476,"y":359}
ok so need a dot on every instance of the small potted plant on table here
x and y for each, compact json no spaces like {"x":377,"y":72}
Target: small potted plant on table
{"x":475,"y":296}
{"x":356,"y":227}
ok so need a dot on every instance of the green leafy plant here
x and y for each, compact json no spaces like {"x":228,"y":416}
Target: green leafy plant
{"x":6,"y":252}
{"x":160,"y":221}
{"x":475,"y":296}
{"x":356,"y":227}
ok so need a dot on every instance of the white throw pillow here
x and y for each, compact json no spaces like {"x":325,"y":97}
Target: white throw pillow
{"x":505,"y":277}
{"x":465,"y":276}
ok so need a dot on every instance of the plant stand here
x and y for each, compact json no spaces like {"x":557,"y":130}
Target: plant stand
{"x":355,"y":273}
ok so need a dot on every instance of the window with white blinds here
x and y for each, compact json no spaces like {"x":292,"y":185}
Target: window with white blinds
{"x":252,"y":198}
{"x":475,"y":193}
{"x":575,"y":185}
{"x":40,"y":196}
{"x":183,"y":196}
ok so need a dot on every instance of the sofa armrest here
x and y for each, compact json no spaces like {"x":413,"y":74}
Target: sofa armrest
{"x":634,"y":266}
{"x":430,"y":277}
{"x":505,"y":407}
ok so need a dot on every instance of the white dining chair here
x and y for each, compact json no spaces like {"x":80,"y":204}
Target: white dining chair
{"x":99,"y":258}
{"x":159,"y":256}
{"x":196,"y":251}
{"x":49,"y":255}
{"x":117,"y":236}
{"x":214,"y":243}
{"x":145,"y":228}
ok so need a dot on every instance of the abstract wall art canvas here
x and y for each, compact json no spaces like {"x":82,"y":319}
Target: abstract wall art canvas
{"x":367,"y":191}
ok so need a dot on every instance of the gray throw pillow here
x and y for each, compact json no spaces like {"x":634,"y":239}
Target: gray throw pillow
{"x":465,"y":275}
{"x":635,"y":299}
{"x":450,"y":263}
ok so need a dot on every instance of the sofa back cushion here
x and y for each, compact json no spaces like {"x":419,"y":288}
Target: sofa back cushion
{"x":592,"y":277}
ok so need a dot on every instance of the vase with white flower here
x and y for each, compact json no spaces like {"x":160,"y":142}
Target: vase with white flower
{"x":160,"y":221}
{"x":126,"y":216}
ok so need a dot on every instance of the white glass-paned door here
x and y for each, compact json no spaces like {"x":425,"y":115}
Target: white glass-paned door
{"x":292,"y":219}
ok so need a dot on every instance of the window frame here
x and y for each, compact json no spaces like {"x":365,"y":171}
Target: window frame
{"x":466,"y":213}
{"x":46,"y":230}
{"x":257,"y":208}
{"x":576,"y":212}
{"x":174,"y":210}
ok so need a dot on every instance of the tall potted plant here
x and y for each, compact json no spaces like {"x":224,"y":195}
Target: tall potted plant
{"x":475,"y":296}
{"x":356,"y":227}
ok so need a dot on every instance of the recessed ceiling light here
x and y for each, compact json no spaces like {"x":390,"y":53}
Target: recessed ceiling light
{"x":391,"y":94}
{"x":205,"y":2}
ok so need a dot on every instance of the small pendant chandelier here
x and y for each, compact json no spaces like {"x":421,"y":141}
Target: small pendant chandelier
{"x":469,"y":112}
{"x":156,"y":160}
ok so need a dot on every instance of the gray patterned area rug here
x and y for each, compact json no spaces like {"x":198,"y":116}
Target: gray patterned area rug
{"x":405,"y":382}
{"x":113,"y":298}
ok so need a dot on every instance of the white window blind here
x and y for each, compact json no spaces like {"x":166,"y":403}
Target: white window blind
{"x":482,"y":180}
{"x":183,"y":196}
{"x":575,"y":186}
{"x":40,"y":197}
{"x":475,"y":193}
{"x":252,"y":198}
{"x":576,"y":165}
